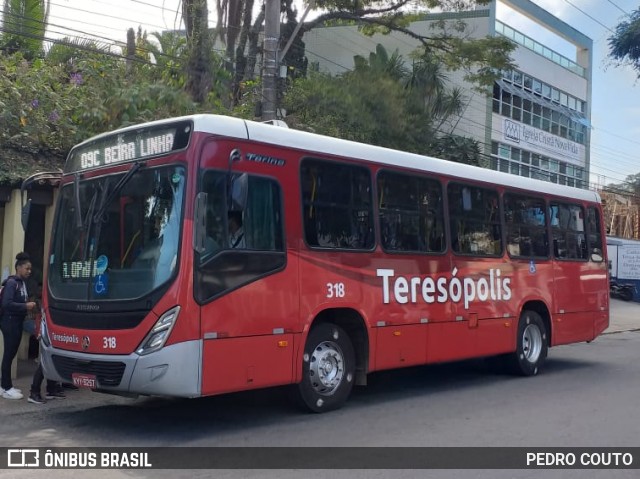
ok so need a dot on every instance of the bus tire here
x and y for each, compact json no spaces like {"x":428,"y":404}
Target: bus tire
{"x":328,"y":369}
{"x":532,"y":345}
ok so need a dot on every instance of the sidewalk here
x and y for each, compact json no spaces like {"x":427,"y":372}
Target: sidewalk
{"x":623,"y":316}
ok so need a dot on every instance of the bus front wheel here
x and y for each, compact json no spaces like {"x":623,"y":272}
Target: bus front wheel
{"x":532,"y":345}
{"x":328,"y":369}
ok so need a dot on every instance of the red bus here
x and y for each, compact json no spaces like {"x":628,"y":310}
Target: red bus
{"x":205,"y":254}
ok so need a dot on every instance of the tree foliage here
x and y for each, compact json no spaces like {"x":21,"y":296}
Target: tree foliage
{"x":383,"y":102}
{"x":624,"y":44}
{"x":630,"y":185}
{"x":52,"y":103}
{"x":23,"y":27}
{"x":51,"y":100}
{"x":447,"y":41}
{"x":199,"y":45}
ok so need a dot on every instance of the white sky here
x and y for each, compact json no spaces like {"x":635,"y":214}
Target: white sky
{"x":615,"y":141}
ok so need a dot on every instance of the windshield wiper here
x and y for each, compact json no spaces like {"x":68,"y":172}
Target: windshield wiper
{"x":76,"y":198}
{"x":116,"y":189}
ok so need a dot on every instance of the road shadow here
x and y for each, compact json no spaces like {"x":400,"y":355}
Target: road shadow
{"x":149,"y":420}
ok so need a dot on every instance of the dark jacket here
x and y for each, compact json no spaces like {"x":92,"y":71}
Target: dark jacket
{"x":14,"y":299}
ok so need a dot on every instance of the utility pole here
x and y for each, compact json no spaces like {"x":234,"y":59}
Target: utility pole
{"x":271,"y":64}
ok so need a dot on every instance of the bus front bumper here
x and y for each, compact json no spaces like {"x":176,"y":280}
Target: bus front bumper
{"x":174,"y":370}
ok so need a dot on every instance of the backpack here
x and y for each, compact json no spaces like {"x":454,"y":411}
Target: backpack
{"x":1,"y":291}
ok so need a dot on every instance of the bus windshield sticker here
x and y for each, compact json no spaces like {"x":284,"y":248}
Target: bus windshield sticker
{"x":101,"y":284}
{"x":102,"y":262}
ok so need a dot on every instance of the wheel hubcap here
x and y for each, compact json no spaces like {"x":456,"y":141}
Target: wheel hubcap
{"x":531,"y":343}
{"x":326,"y":368}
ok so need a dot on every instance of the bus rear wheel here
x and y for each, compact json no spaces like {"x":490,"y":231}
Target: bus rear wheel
{"x":328,"y":369}
{"x":532,"y":346}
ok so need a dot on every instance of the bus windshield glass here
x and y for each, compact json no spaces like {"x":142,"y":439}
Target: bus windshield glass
{"x":117,"y":236}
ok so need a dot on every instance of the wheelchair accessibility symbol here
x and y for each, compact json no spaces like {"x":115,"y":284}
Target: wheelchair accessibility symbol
{"x":101,"y":284}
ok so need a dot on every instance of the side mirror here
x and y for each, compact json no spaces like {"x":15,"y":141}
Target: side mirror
{"x":26,"y":205}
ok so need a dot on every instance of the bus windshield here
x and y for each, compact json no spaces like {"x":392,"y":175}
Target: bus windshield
{"x":116,"y":236}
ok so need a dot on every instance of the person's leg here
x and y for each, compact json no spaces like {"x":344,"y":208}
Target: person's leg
{"x":54,"y":390}
{"x":38,"y":377}
{"x":5,"y":374}
{"x":12,"y":335}
{"x":34,"y":396}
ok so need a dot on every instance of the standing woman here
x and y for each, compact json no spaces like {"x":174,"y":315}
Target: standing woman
{"x":14,"y":309}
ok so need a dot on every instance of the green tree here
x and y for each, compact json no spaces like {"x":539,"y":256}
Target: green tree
{"x":169,"y":52}
{"x":23,"y":27}
{"x":380,"y":62}
{"x":450,"y":43}
{"x":624,"y":44}
{"x":199,"y":44}
{"x":630,"y":185}
{"x":384,"y":103}
{"x":52,"y":103}
{"x":457,"y":148}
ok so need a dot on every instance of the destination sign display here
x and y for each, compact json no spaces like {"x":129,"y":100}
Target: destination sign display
{"x":129,"y":146}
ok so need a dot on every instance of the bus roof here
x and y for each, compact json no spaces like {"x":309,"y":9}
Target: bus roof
{"x":266,"y":133}
{"x":276,"y":135}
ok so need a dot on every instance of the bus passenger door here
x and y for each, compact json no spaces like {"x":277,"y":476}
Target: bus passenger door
{"x":576,"y":279}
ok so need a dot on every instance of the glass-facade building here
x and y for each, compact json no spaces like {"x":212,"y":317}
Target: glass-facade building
{"x":537,"y":121}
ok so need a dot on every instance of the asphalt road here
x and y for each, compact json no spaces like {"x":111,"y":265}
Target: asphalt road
{"x":586,"y":396}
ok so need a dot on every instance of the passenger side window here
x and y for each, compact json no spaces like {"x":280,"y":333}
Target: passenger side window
{"x":567,"y":228}
{"x":526,"y":226}
{"x":595,"y":236}
{"x":337,"y":205}
{"x":411,"y":213}
{"x":474,"y":220}
{"x":242,"y":212}
{"x":244,"y":238}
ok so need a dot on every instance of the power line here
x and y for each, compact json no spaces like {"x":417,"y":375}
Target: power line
{"x":105,"y":15}
{"x":328,"y":60}
{"x":623,"y":11}
{"x":14,"y":22}
{"x":586,"y":14}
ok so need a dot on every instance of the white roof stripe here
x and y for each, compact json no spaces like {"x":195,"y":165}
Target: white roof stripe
{"x":310,"y":142}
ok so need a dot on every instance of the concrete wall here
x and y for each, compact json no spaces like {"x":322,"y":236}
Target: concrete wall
{"x":12,"y":234}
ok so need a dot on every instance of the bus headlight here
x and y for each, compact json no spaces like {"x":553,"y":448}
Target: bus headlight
{"x":159,"y":333}
{"x":44,"y":333}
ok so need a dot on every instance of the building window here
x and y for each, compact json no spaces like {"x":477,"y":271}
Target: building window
{"x":533,"y":165}
{"x":521,"y":106}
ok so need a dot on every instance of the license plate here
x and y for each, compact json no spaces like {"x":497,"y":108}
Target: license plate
{"x":87,"y":381}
